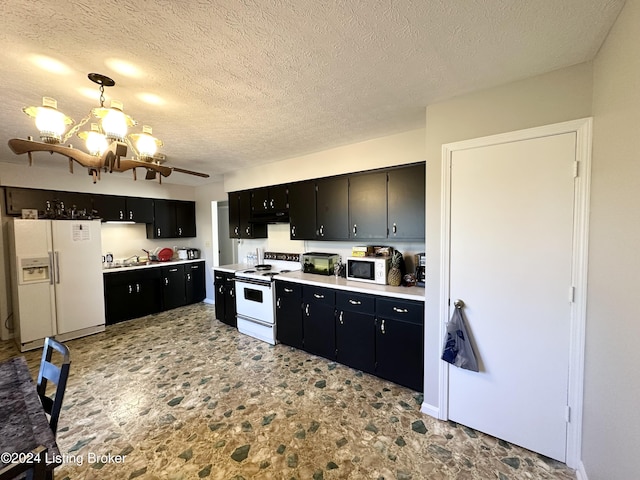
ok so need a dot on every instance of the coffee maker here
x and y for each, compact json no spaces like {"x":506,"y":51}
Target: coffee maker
{"x":420,"y":262}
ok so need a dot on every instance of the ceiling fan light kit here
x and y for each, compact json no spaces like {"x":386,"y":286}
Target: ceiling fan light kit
{"x":106,"y":141}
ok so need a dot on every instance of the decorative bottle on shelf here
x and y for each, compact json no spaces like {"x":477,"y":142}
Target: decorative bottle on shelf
{"x":394,"y":276}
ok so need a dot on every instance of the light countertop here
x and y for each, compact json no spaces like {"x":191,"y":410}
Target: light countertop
{"x":122,"y":268}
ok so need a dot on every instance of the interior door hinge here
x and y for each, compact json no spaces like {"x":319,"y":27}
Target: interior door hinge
{"x":572,"y":294}
{"x":568,"y":414}
{"x":575,"y":169}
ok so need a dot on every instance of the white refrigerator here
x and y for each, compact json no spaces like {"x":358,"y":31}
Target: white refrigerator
{"x":57,"y":286}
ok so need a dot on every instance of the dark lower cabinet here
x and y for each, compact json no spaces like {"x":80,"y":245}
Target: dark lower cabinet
{"x":289,"y":314}
{"x":132,"y":294}
{"x":195,"y":283}
{"x":355,"y":330}
{"x":399,"y":342}
{"x":225,"y":297}
{"x":319,"y":321}
{"x":173,"y":287}
{"x":139,"y":292}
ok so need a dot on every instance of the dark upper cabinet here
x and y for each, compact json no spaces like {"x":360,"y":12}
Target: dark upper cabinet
{"x":368,"y":205}
{"x":302,"y":210}
{"x":406,"y":202}
{"x":332,"y":203}
{"x":18,"y":199}
{"x":112,"y":208}
{"x":240,"y":224}
{"x":164,"y":220}
{"x":139,"y":210}
{"x":172,"y":219}
{"x":185,"y":218}
{"x":270,"y":204}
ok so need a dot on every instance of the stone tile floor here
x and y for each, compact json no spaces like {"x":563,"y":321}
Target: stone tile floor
{"x":180,"y":395}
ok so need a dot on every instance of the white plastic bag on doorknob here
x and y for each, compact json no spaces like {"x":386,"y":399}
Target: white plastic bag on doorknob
{"x":457,"y":349}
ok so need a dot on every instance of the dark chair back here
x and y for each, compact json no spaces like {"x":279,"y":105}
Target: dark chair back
{"x":36,"y":470}
{"x":57,"y":375}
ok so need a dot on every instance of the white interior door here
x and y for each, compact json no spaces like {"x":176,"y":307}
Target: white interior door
{"x":511,"y":247}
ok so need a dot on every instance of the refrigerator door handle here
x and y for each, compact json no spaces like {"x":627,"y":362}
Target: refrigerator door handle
{"x":57,"y":261}
{"x":50,"y":268}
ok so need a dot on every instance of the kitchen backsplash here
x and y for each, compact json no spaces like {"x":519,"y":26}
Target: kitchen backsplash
{"x":278,"y":241}
{"x":126,"y":240}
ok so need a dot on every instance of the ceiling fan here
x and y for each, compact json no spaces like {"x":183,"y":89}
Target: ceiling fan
{"x":107,"y":141}
{"x":109,"y":161}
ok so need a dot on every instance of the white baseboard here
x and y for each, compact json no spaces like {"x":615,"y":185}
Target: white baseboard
{"x":209,"y":301}
{"x":430,"y":410}
{"x":581,"y":473}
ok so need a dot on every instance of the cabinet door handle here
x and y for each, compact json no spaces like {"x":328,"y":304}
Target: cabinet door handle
{"x":288,"y":290}
{"x":158,"y":231}
{"x":130,"y":289}
{"x":264,"y":204}
{"x":322,"y":230}
{"x":306,"y":309}
{"x":248,"y":230}
{"x":278,"y":303}
{"x":318,"y":295}
{"x":271,"y":203}
{"x":355,"y":302}
{"x":179,"y":231}
{"x":130,"y":214}
{"x":355,"y":229}
{"x":400,"y":310}
{"x":221,"y":289}
{"x":382,"y":327}
{"x":121,"y":214}
{"x":340,"y":318}
{"x":137,"y":288}
{"x":395,"y":228}
{"x":166,"y":281}
{"x":231,"y":293}
{"x":236,"y":229}
{"x":188,"y":277}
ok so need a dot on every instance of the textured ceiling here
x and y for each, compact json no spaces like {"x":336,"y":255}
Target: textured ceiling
{"x":251,"y":82}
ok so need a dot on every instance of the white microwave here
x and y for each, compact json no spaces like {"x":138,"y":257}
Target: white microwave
{"x":368,"y":269}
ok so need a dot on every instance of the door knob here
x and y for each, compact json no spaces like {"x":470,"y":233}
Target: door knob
{"x":458,"y":303}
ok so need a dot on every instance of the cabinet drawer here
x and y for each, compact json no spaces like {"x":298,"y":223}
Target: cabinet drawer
{"x":318,"y":295}
{"x":406,"y":310}
{"x":355,"y":302}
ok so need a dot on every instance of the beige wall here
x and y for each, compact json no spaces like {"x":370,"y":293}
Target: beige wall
{"x":555,"y":97}
{"x":399,"y":149}
{"x":611,"y":427}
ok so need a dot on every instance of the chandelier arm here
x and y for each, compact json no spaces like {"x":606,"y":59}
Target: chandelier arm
{"x":130,"y":144}
{"x":76,"y":127}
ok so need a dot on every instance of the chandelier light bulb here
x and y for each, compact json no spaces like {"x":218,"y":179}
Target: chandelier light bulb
{"x":145,"y":143}
{"x":95,"y":141}
{"x":114,"y":123}
{"x":50,"y":122}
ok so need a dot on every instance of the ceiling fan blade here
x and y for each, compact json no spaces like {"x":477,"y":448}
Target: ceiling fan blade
{"x":129,"y":164}
{"x":190,"y":172}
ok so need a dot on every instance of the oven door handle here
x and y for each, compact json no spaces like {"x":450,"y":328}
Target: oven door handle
{"x":254,"y":320}
{"x":252,"y":281}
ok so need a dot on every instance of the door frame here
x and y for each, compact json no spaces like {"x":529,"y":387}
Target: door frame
{"x":583,"y":129}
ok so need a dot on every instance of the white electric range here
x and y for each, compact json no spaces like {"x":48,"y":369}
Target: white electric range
{"x":255,"y":295}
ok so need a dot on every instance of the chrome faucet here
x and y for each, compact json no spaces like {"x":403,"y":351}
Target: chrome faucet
{"x":128,"y":260}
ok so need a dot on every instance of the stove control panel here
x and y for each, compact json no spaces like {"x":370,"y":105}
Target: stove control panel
{"x":289,"y":257}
